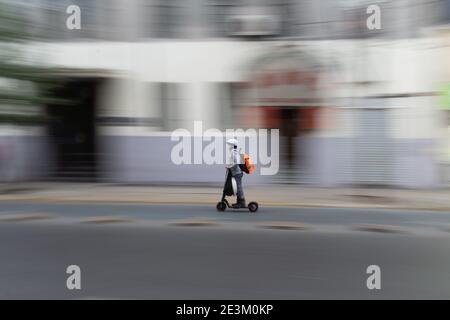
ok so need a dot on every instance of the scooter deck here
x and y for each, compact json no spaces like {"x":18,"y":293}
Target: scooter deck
{"x":229,"y":206}
{"x":223,"y":204}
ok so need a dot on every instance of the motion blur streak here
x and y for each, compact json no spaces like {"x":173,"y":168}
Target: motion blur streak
{"x":360,"y":96}
{"x":353,"y":105}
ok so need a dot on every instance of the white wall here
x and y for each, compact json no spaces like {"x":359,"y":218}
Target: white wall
{"x":359,"y":68}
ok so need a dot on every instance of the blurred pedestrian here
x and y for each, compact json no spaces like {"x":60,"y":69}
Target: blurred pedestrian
{"x":234,"y":163}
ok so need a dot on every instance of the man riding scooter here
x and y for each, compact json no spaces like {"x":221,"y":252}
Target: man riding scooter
{"x":236,"y":172}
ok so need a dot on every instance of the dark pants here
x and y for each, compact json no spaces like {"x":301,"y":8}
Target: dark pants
{"x":240,"y":190}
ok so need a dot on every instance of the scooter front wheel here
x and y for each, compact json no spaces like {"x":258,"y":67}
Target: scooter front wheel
{"x":253,"y":206}
{"x":221,"y":206}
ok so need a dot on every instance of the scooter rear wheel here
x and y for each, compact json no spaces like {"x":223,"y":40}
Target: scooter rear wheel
{"x":253,"y":206}
{"x":221,"y":206}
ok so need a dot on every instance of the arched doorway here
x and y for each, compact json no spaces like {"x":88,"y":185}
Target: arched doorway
{"x":283,"y":88}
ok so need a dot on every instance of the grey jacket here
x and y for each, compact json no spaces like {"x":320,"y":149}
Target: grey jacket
{"x":235,"y":162}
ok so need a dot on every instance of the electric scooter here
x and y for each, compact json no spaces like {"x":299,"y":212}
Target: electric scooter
{"x":229,"y":190}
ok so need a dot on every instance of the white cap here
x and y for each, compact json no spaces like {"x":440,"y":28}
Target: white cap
{"x":232,"y":142}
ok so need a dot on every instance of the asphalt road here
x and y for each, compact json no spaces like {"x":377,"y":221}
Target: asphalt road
{"x":423,"y":220}
{"x":236,"y":257}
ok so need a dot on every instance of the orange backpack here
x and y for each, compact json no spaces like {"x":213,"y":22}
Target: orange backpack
{"x":248,"y":164}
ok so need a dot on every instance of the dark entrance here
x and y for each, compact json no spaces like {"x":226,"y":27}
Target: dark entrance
{"x":294,"y":124}
{"x":289,"y":130}
{"x":72,"y":129}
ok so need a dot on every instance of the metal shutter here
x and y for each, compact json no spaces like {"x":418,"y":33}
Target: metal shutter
{"x":372,"y":156}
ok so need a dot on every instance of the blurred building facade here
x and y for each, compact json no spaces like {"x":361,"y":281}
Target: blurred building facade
{"x":354,"y":106}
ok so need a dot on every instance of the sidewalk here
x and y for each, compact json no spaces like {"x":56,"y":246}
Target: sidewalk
{"x":270,"y":195}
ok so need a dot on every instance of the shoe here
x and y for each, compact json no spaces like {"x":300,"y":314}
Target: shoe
{"x":239,"y":204}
